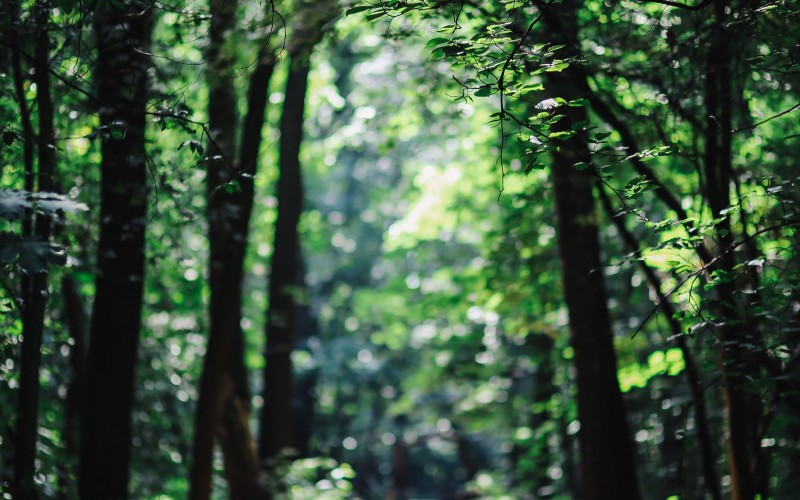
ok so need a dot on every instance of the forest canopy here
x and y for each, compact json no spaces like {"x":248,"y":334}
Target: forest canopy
{"x":399,"y":249}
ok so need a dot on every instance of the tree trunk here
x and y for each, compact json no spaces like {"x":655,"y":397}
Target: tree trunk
{"x":34,"y":287}
{"x":543,"y":390}
{"x":606,"y":448}
{"x":122,"y":32}
{"x":75,"y":316}
{"x":743,"y":408}
{"x":224,"y":310}
{"x":224,"y":405}
{"x":276,"y":417}
{"x":303,"y":398}
{"x":238,"y":445}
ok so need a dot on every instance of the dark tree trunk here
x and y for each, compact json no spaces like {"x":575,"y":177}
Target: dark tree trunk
{"x":607,"y":454}
{"x":75,"y":316}
{"x":276,"y":417}
{"x":238,"y":445}
{"x":122,"y":33}
{"x":606,"y":447}
{"x":398,"y":490}
{"x":224,"y":311}
{"x":11,"y":10}
{"x":224,"y":406}
{"x":543,"y":390}
{"x":743,"y":409}
{"x":34,"y":287}
{"x":24,"y":452}
{"x":303,"y":398}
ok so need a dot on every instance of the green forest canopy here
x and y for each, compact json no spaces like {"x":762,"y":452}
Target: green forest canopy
{"x":399,"y":249}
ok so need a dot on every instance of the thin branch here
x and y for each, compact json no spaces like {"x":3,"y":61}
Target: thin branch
{"x":679,"y":5}
{"x":785,"y":112}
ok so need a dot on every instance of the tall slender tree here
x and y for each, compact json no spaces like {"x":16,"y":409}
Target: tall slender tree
{"x":743,"y":408}
{"x":34,"y":286}
{"x":606,"y":446}
{"x":224,"y":402}
{"x":224,"y":311}
{"x":122,"y":36}
{"x":276,"y":432}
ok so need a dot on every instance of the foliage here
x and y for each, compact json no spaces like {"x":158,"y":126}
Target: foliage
{"x":436,"y":324}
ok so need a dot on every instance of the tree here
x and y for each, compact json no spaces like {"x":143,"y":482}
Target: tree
{"x":276,"y":432}
{"x":122,"y":33}
{"x":223,"y":407}
{"x":607,"y":454}
{"x":34,"y":284}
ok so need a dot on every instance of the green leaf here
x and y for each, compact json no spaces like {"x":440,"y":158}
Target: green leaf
{"x":194,"y":146}
{"x":637,"y":186}
{"x":36,"y":255}
{"x":433,"y":42}
{"x":233,"y":187}
{"x":32,"y":255}
{"x":557,"y":67}
{"x":453,"y":50}
{"x":9,"y":247}
{"x":356,"y":10}
{"x":601,"y":135}
{"x":13,"y":203}
{"x":485,"y":90}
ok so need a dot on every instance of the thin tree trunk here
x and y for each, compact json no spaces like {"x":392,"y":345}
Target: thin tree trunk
{"x":224,"y":308}
{"x":276,"y":417}
{"x":742,"y":408}
{"x":224,"y":386}
{"x":400,"y":480}
{"x":12,"y":11}
{"x":34,"y":288}
{"x":543,"y":390}
{"x":606,"y":448}
{"x":276,"y":422}
{"x":122,"y":34}
{"x":76,"y":323}
{"x":305,"y":382}
{"x":238,"y":445}
{"x":24,"y":456}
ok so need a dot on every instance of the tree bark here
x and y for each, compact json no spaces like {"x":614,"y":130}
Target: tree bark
{"x":76,"y":320}
{"x":606,"y":448}
{"x":122,"y":33}
{"x":303,"y":398}
{"x":34,"y":287}
{"x":743,"y":409}
{"x":225,"y":283}
{"x":543,"y":390}
{"x":276,"y":417}
{"x":224,"y":385}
